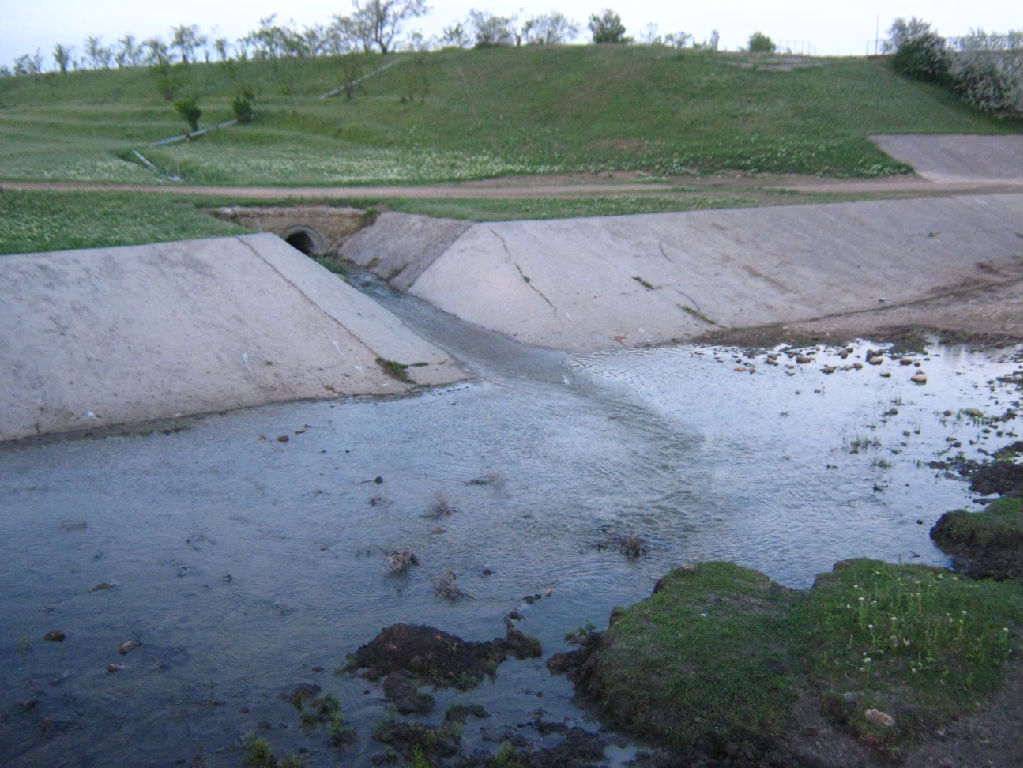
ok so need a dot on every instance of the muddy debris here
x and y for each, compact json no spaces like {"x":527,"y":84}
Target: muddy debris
{"x":440,"y":507}
{"x":402,"y":690}
{"x":55,"y":636}
{"x":420,"y":653}
{"x":429,"y":654}
{"x":459,"y":713}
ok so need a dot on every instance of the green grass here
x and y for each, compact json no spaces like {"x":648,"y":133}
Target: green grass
{"x":722,"y":653}
{"x":1000,"y":523}
{"x":703,"y":655}
{"x":488,"y":112}
{"x":34,"y":221}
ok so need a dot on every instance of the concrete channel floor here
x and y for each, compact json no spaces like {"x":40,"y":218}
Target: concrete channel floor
{"x":119,"y":335}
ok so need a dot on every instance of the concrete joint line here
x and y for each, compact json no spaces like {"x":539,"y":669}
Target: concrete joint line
{"x":305,"y":296}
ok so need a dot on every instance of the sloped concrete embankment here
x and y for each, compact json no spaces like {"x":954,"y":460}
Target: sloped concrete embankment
{"x":584,"y":284}
{"x":108,"y":336}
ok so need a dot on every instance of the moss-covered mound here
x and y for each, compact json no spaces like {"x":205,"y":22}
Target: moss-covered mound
{"x":985,"y":544}
{"x":722,"y":665}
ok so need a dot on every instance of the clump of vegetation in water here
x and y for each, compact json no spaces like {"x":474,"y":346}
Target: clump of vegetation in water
{"x":720,"y":655}
{"x":258,"y":754}
{"x":988,"y":543}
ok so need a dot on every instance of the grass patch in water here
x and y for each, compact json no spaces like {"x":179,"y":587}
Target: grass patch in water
{"x":720,"y":654}
{"x":1000,"y":522}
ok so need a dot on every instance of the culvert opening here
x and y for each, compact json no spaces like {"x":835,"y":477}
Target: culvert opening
{"x":303,"y":240}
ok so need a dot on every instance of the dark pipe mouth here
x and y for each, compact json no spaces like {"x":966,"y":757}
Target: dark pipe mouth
{"x":302,"y":240}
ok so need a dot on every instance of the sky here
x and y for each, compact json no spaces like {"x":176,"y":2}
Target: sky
{"x":824,"y":27}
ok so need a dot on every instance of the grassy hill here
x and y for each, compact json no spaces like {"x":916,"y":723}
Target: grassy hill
{"x":486,"y":113}
{"x":445,"y":116}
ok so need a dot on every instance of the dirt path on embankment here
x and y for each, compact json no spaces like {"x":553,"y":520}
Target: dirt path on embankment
{"x":618,"y":184}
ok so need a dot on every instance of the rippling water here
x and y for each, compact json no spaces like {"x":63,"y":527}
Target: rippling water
{"x":245,"y":565}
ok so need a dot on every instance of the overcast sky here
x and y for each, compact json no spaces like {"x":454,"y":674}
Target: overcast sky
{"x":831,"y":27}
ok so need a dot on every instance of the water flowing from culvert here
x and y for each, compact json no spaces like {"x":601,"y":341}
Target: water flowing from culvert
{"x":246,"y":566}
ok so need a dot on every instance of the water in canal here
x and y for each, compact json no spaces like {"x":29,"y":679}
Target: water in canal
{"x":243,"y":565}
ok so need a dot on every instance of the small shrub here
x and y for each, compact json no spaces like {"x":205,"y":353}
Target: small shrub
{"x":189,"y":110}
{"x":258,"y":754}
{"x":242,"y":106}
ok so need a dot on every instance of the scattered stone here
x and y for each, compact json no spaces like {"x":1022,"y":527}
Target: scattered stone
{"x":875,"y":359}
{"x":127,"y":647}
{"x":919,"y":378}
{"x":282,"y":438}
{"x":444,"y":586}
{"x":877,"y":717}
{"x":886,"y":374}
{"x":378,"y":480}
{"x":56,"y":636}
{"x":828,"y":369}
{"x":804,"y":359}
{"x":399,"y":562}
{"x":906,"y":361}
{"x":113,"y":668}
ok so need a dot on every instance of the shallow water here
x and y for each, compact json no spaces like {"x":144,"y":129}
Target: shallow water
{"x":245,"y":566}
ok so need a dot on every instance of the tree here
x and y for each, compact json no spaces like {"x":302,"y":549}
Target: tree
{"x":379,"y":21}
{"x":186,"y":39}
{"x":901,"y":30}
{"x":62,"y":57}
{"x":491,"y":30}
{"x":608,"y":28}
{"x":223,"y":48}
{"x":761,"y":43}
{"x":29,"y":64}
{"x":677,"y":39}
{"x":456,"y":35}
{"x":128,"y":54}
{"x":549,"y":29}
{"x":342,"y":35}
{"x":99,"y":57}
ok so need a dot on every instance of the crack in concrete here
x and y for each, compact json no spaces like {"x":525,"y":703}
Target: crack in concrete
{"x":525,"y":278}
